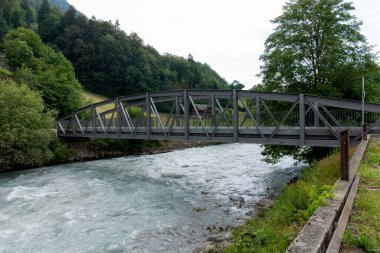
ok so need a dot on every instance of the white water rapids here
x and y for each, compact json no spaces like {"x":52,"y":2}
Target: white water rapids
{"x":134,"y":204}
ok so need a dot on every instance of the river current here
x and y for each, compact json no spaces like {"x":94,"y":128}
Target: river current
{"x":134,"y":204}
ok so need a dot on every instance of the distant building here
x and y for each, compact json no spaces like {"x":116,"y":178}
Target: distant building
{"x":202,"y":109}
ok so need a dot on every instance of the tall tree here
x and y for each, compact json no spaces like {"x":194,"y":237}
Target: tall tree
{"x":4,"y":28}
{"x":313,"y":43}
{"x":43,"y":11}
{"x":29,"y":13}
{"x":317,"y":48}
{"x":70,"y":16}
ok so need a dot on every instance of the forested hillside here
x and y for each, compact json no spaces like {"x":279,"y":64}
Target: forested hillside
{"x":106,"y":59}
{"x":47,"y":55}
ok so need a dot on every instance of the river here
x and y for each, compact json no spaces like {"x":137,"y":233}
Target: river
{"x":134,"y":204}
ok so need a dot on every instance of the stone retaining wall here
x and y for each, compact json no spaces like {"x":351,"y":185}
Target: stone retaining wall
{"x":315,"y":235}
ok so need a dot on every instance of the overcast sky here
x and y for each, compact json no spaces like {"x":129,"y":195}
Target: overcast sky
{"x":228,"y":35}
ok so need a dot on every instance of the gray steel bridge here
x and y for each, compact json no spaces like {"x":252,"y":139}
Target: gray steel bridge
{"x":223,"y":116}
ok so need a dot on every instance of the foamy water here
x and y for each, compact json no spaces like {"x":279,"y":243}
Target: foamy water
{"x":134,"y":204}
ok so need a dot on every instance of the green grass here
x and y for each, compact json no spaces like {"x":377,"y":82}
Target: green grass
{"x":274,"y":230}
{"x":5,"y":74}
{"x":96,"y":98}
{"x":92,"y":98}
{"x":363,"y":229}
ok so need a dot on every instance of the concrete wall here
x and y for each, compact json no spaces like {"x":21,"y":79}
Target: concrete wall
{"x":315,"y":235}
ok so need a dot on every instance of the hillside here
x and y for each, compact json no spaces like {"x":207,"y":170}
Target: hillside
{"x":62,"y":5}
{"x":106,"y":60}
{"x":96,"y":98}
{"x":48,"y":57}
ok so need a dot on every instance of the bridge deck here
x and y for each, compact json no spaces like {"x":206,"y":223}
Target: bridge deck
{"x":320,"y":136}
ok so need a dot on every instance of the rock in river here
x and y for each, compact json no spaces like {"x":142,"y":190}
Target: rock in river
{"x":237,"y":198}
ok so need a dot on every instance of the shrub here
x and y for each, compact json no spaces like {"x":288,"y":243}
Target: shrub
{"x":25,"y":127}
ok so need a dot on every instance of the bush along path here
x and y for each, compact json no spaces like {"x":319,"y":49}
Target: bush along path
{"x":363,"y":229}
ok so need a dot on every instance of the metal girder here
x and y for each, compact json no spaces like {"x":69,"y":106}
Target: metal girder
{"x":331,"y":116}
{"x":79,"y":124}
{"x":126,"y":117}
{"x":153,"y":106}
{"x":186,"y":114}
{"x":199,"y":116}
{"x":253,"y":120}
{"x":223,"y":114}
{"x":344,"y":156}
{"x":345,"y":104}
{"x":216,"y":122}
{"x":101,"y":121}
{"x":61,"y":127}
{"x":269,"y":112}
{"x":284,"y":119}
{"x":235,"y":115}
{"x":324,"y":121}
{"x":170,"y":114}
{"x":218,"y":93}
{"x":368,"y":129}
{"x":268,"y":96}
{"x":302,"y":119}
{"x":246,"y":116}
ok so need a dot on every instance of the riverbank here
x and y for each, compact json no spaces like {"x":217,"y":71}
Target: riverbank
{"x":85,"y":149}
{"x":89,"y":150}
{"x":273,"y":229}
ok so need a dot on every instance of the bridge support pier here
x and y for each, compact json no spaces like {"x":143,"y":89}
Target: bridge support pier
{"x":344,"y":159}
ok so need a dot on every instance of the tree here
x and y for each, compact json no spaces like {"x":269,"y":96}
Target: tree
{"x":313,"y":43}
{"x":19,"y":54}
{"x":43,"y":11}
{"x":44,"y":70}
{"x":29,"y":13}
{"x":317,"y":48}
{"x":50,"y":28}
{"x":25,"y":127}
{"x":70,"y":16}
{"x":18,"y":18}
{"x":236,"y":85}
{"x":3,"y":28}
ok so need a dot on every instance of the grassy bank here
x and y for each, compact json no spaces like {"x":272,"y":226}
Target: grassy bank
{"x":274,"y":230}
{"x":96,"y":98}
{"x":363,"y":229}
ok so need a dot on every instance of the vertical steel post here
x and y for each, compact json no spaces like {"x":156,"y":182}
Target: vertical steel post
{"x":93,"y":113}
{"x":258,"y":117}
{"x":363,"y":97}
{"x":186,"y":106}
{"x":177,"y":111}
{"x":74,"y":123}
{"x":344,"y":163}
{"x":236,"y":115}
{"x":148,"y":115}
{"x":213,"y":118}
{"x":119,"y":113}
{"x":302,"y":120}
{"x":316,"y":119}
{"x":364,"y":136}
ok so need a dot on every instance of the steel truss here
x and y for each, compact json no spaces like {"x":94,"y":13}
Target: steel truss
{"x":227,"y":116}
